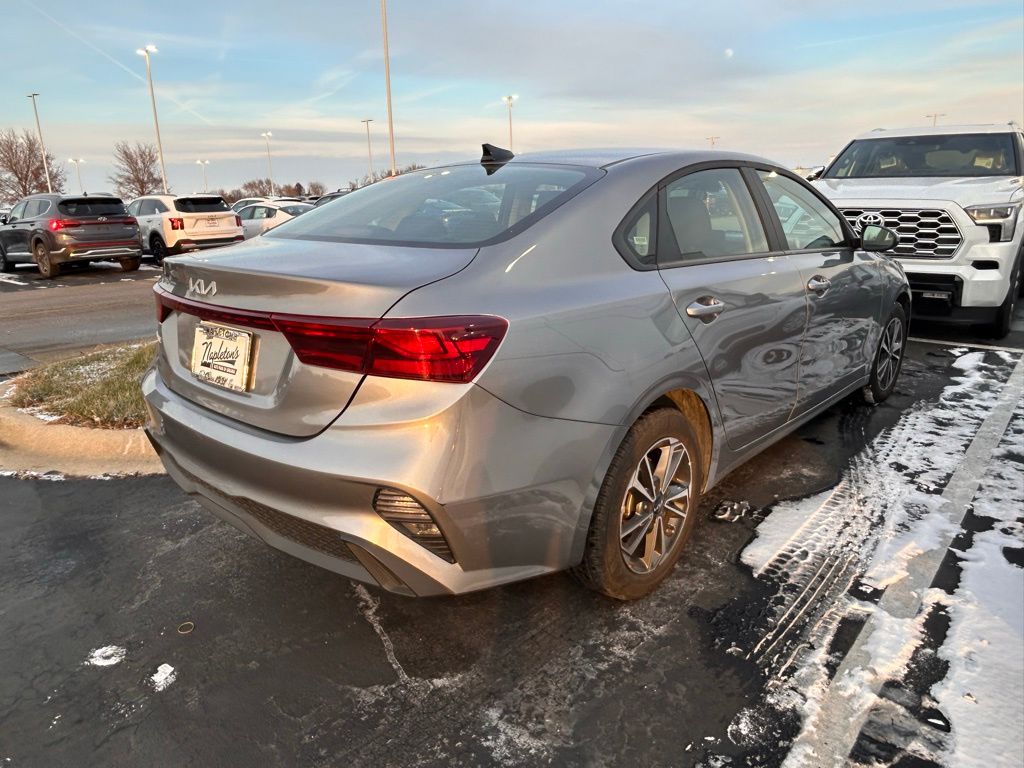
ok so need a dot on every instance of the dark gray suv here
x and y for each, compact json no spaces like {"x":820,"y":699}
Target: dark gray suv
{"x":54,"y":230}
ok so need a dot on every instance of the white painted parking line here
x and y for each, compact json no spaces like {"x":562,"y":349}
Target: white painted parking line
{"x":830,"y":739}
{"x":11,"y":279}
{"x":941,"y":343}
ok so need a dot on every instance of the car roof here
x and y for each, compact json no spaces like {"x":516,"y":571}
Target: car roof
{"x":603,"y":158}
{"x":940,"y":130}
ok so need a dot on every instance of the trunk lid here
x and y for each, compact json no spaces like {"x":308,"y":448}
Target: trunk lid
{"x":95,"y":220}
{"x":300,"y":277}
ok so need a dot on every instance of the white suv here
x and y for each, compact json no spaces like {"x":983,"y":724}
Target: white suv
{"x":170,"y":225}
{"x":953,"y":194}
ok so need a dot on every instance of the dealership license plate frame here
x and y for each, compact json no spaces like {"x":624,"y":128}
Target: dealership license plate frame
{"x":223,"y":356}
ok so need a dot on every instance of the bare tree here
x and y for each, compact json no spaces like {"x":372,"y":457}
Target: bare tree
{"x":21,"y":166}
{"x":315,"y":188}
{"x":378,"y":175}
{"x":257,"y":188}
{"x":135,"y":170}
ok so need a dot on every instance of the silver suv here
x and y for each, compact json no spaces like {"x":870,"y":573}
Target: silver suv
{"x":474,"y":374}
{"x":953,"y":194}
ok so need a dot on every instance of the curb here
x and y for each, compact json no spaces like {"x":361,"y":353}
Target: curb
{"x":28,"y":444}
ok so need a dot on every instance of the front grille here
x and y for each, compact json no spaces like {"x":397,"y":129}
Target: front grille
{"x":927,"y":233}
{"x":312,"y":535}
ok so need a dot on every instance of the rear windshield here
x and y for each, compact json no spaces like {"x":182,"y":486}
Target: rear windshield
{"x":201,"y":204}
{"x":966,"y":154}
{"x":92,"y":206}
{"x":458,"y":205}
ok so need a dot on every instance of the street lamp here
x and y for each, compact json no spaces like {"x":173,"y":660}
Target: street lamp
{"x":935,"y":117}
{"x":42,"y":146}
{"x":204,"y":163}
{"x":387,"y":82}
{"x":369,"y":149}
{"x":270,"y":165}
{"x":152,"y":98}
{"x":508,"y":100}
{"x":78,"y":169}
{"x":712,"y":139}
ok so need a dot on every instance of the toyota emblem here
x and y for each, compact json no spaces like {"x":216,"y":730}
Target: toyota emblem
{"x":867,"y":219}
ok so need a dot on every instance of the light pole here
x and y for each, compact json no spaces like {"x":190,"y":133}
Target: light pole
{"x":270,"y":165}
{"x":152,"y":98}
{"x":203,"y":164}
{"x":78,"y":169}
{"x":387,"y":82}
{"x":369,"y":149}
{"x":712,"y":139}
{"x":935,"y":117}
{"x":508,"y":100}
{"x":42,"y":146}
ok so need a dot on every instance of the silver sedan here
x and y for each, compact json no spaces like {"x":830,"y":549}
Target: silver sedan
{"x":474,"y":374}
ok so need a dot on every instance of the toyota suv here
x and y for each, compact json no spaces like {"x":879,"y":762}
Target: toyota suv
{"x":953,"y":194}
{"x":56,"y":230}
{"x":169,"y":225}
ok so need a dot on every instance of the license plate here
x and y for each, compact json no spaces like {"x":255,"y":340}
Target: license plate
{"x":222,"y":356}
{"x":212,"y":222}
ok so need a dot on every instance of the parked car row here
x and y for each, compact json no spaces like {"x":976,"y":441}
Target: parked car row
{"x":53,"y":231}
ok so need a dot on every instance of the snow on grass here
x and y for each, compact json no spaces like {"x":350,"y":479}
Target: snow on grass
{"x":163,"y":677}
{"x":107,"y":656}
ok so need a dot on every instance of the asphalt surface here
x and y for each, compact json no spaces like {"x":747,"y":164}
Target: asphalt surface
{"x":287,"y":664}
{"x":44,"y":320}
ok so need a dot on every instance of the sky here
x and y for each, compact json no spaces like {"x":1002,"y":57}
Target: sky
{"x":793,"y":80}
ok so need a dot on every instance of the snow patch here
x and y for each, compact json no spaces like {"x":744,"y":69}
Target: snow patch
{"x":107,"y":656}
{"x":163,"y":677}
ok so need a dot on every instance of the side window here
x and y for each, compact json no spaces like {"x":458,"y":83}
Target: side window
{"x":159,"y":207}
{"x":806,"y":221}
{"x":245,"y":214}
{"x":19,"y":211}
{"x":711,"y":215}
{"x":147,"y":208}
{"x":36,"y":208}
{"x":261,"y":212}
{"x":133,"y":208}
{"x":637,"y":236}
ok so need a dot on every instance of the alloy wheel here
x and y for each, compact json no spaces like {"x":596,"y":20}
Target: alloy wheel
{"x":655,"y":505}
{"x":890,"y":353}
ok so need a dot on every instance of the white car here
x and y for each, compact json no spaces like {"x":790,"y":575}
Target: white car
{"x":258,"y":218}
{"x":953,"y":194}
{"x":170,"y":225}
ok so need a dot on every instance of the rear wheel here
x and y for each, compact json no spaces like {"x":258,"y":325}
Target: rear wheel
{"x":647,"y":508}
{"x":47,"y":267}
{"x":888,"y":357}
{"x":158,"y":248}
{"x":6,"y":265}
{"x":132,"y":264}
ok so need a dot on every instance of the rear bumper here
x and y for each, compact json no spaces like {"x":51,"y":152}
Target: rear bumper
{"x":510,"y":491}
{"x":96,"y":252}
{"x":185,"y":245}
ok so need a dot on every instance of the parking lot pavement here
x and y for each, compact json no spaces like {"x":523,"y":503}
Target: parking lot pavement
{"x":281,"y":663}
{"x":43,"y":320}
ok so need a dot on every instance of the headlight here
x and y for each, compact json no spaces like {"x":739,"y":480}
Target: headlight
{"x":1003,"y":216}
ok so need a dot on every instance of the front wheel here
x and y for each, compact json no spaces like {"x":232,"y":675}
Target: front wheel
{"x":6,"y":265}
{"x":888,"y":357}
{"x":47,"y":267}
{"x":646,"y":509}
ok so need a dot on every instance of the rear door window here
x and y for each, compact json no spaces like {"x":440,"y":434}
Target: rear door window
{"x":711,"y":215}
{"x":806,"y":221}
{"x":92,"y":206}
{"x":462,"y":205}
{"x":200,"y":205}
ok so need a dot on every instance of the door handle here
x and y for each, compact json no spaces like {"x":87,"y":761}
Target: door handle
{"x":819,"y":284}
{"x":706,"y":308}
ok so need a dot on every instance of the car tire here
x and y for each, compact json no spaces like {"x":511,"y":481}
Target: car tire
{"x":885,"y":369}
{"x":47,"y":267}
{"x":1004,"y":315}
{"x":6,"y":265}
{"x":132,"y":264}
{"x":621,"y":558}
{"x":158,"y":248}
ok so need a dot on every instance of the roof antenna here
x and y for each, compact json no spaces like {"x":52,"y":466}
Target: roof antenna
{"x":494,"y":157}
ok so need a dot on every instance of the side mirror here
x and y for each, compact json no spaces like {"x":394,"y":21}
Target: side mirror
{"x":877,"y":239}
{"x":3,"y":218}
{"x":815,"y":173}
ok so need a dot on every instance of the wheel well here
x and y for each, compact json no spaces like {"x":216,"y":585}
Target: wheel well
{"x":155,"y":236}
{"x":689,"y":403}
{"x":904,"y":300}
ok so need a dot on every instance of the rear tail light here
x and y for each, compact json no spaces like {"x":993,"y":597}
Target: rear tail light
{"x":177,"y":223}
{"x":238,"y":220}
{"x":407,"y":515}
{"x":448,"y":349}
{"x":130,"y":221}
{"x":59,"y":224}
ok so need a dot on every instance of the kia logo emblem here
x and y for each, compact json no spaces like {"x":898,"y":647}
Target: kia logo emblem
{"x":868,"y":219}
{"x":201,"y":287}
